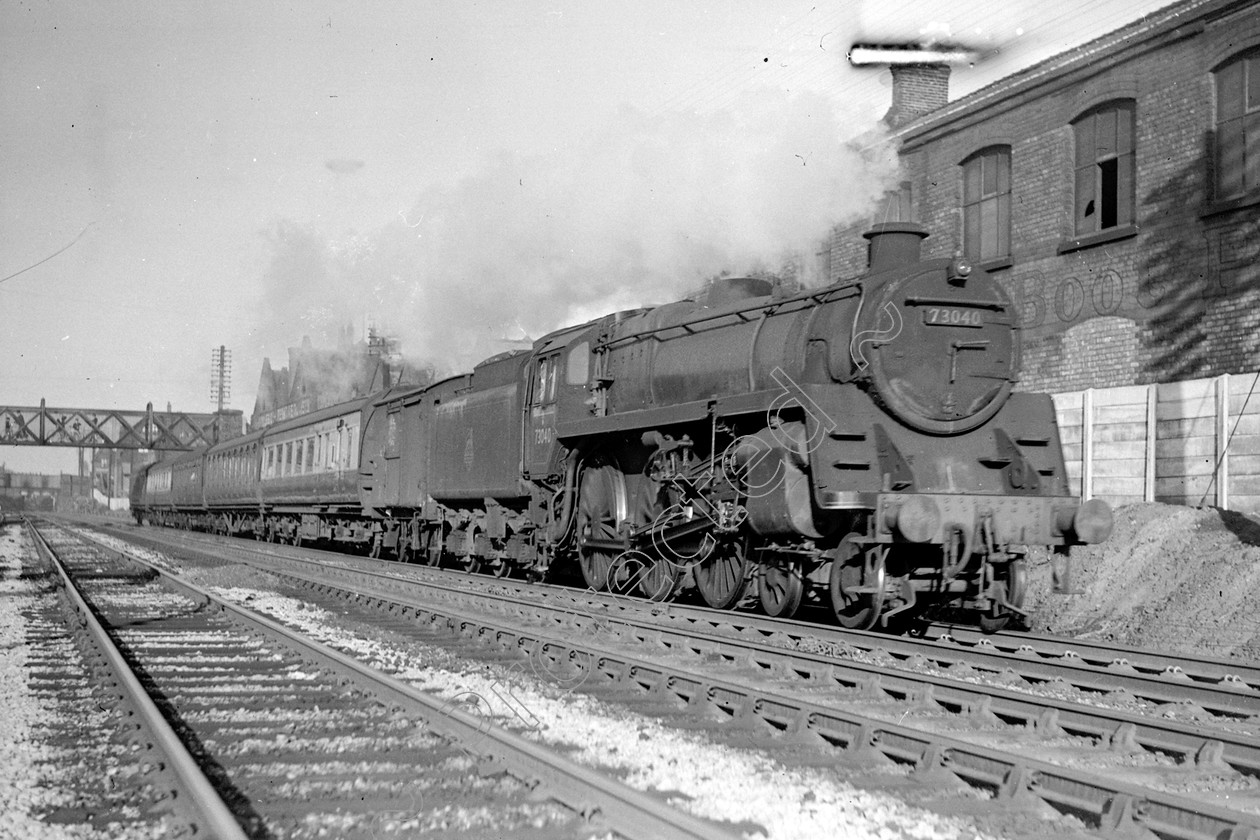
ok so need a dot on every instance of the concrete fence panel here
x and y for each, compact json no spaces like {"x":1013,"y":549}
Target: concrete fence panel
{"x":1192,"y":442}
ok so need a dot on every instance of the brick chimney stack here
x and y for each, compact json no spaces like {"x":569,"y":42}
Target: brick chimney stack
{"x":917,"y":89}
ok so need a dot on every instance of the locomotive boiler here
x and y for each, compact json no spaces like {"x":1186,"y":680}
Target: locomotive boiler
{"x":860,"y":446}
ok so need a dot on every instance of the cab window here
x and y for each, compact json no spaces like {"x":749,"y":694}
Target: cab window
{"x":545,"y":381}
{"x":578,"y":367}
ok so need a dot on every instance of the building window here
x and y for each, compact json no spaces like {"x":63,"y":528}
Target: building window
{"x":1104,"y":168}
{"x":898,"y":204}
{"x":1238,"y":127}
{"x":987,"y":204}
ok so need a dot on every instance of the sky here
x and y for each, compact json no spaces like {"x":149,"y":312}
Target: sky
{"x":179,"y":176}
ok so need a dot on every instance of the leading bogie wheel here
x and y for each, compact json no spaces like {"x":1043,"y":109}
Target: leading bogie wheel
{"x":856,"y":587}
{"x":1015,"y":582}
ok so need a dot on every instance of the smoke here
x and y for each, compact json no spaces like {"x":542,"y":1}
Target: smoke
{"x":637,"y":215}
{"x":343,"y":166}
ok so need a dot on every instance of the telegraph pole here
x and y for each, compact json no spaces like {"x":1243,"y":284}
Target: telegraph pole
{"x":220,"y":383}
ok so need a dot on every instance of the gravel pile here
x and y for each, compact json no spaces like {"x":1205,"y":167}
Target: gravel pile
{"x":1170,"y":577}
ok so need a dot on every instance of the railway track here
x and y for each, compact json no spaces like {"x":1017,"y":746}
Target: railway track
{"x":1178,"y":755}
{"x":277,"y":735}
{"x":74,"y":752}
{"x":1223,"y":688}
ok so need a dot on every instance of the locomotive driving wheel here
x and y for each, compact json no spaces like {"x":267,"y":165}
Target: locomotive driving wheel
{"x":659,"y":580}
{"x":856,"y":585}
{"x":780,"y":589}
{"x":601,"y":510}
{"x":722,"y":577}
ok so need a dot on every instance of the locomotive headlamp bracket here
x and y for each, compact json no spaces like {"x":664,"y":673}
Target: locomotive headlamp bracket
{"x":958,"y":272}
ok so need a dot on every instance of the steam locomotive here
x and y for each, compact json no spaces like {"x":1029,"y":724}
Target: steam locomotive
{"x":859,"y":446}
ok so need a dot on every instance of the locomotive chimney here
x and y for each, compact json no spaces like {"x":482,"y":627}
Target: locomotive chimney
{"x":893,"y":244}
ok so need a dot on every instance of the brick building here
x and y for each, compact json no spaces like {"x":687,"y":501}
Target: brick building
{"x":1115,"y":189}
{"x":317,"y":377}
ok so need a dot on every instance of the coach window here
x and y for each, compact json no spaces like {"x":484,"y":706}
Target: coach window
{"x":1238,"y":127}
{"x":1104,"y":168}
{"x":391,"y":435}
{"x":987,"y":204}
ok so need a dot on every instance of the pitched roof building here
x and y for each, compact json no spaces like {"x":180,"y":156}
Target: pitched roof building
{"x":318,"y":377}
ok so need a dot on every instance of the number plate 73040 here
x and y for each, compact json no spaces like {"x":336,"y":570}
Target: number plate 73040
{"x":952,"y":316}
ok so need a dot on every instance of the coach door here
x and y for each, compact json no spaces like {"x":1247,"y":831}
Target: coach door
{"x":540,"y":422}
{"x":390,"y":463}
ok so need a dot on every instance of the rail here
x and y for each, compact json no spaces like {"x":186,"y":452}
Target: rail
{"x":202,"y":802}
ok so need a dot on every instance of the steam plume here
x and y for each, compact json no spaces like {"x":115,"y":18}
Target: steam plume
{"x":636,"y":215}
